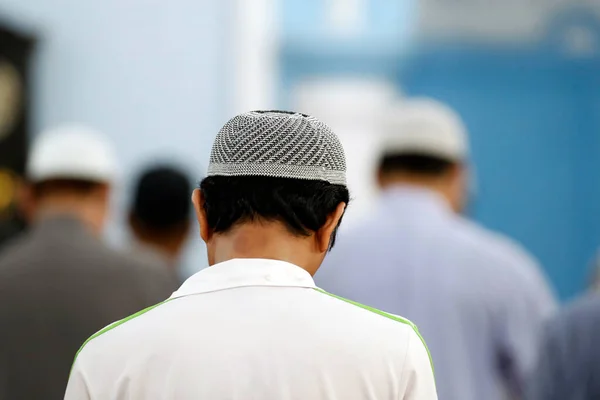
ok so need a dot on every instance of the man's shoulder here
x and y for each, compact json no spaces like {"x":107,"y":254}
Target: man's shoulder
{"x":37,"y":249}
{"x":359,"y":310}
{"x":79,"y":255}
{"x":458,"y":230}
{"x":17,"y":245}
{"x":491,"y":245}
{"x":585,"y":310}
{"x":362,"y":316}
{"x":21,"y":253}
{"x":330,"y":307}
{"x":485,"y":238}
{"x":392,"y":329}
{"x":508,"y":262}
{"x":107,"y":335}
{"x":571,"y":329}
{"x":139,"y":265}
{"x":116,"y":262}
{"x":150,"y":270}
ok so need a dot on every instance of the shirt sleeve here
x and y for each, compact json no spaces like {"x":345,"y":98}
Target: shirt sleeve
{"x":77,"y":388}
{"x":417,"y":375}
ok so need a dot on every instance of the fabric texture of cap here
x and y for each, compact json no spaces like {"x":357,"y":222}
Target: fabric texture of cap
{"x":426,"y":127}
{"x":72,"y":152}
{"x":278,"y":144}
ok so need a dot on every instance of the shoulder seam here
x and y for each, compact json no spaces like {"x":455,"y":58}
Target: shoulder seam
{"x":386,"y":315}
{"x":116,"y":324}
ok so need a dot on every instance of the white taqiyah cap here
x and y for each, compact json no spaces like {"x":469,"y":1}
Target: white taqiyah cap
{"x":426,"y":127}
{"x":72,"y":152}
{"x":278,"y":144}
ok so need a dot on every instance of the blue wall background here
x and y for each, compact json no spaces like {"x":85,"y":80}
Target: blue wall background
{"x":532,"y":111}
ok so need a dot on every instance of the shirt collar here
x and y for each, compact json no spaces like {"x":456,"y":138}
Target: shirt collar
{"x":415,"y":199}
{"x":244,"y":272}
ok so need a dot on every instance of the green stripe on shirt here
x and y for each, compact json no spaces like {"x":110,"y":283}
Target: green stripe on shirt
{"x":384,"y":314}
{"x":114,"y":325}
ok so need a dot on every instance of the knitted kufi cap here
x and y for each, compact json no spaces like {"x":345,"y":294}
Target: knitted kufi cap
{"x":278,"y":144}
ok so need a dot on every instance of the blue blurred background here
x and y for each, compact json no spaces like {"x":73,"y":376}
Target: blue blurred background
{"x":160,"y":78}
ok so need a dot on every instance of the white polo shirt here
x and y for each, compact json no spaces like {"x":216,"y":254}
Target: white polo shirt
{"x":254,"y":329}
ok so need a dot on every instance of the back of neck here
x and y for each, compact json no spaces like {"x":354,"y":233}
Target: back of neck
{"x":269,"y":240}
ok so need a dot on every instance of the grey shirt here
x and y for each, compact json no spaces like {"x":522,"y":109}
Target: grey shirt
{"x":58,"y":286}
{"x":569,"y":363}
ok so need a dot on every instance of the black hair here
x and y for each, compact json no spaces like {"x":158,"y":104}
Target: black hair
{"x":417,"y":164}
{"x":302,"y":205}
{"x":162,"y":198}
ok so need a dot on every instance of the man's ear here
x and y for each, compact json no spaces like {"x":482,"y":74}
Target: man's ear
{"x":198,"y":201}
{"x":323,"y":235}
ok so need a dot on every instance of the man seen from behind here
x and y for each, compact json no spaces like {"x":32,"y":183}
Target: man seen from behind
{"x":160,"y":217}
{"x":254,"y":325}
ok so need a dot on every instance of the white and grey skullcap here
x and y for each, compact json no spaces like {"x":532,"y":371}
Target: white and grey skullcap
{"x":278,"y":144}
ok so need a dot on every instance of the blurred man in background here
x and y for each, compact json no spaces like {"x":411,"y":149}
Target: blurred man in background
{"x":58,"y":283}
{"x":254,"y":325}
{"x":477,"y":297}
{"x":569,"y":362}
{"x":159,"y":217}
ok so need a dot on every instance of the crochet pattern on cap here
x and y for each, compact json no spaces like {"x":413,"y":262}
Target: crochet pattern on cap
{"x":278,"y":144}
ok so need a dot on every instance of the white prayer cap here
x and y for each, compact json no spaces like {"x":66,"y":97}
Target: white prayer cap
{"x":278,"y":144}
{"x":425,"y":127}
{"x":72,"y":152}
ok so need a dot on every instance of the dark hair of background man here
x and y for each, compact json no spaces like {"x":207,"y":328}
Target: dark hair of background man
{"x":416,"y":164}
{"x":162,"y":199}
{"x":302,"y":205}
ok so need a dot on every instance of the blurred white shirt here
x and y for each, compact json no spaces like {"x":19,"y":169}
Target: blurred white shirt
{"x":254,"y":329}
{"x":479,"y":299}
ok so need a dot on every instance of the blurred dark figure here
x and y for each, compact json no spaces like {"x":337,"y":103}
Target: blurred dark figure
{"x":160,"y":216}
{"x":477,"y":297}
{"x":15,"y":51}
{"x":569,"y":362}
{"x":58,"y":283}
{"x":12,"y":206}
